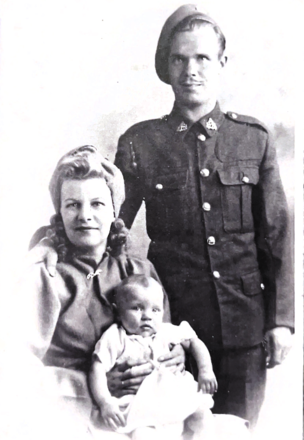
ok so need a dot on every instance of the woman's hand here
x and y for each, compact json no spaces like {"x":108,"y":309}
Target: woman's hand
{"x":43,"y":251}
{"x":175,"y":359}
{"x":125,"y":378}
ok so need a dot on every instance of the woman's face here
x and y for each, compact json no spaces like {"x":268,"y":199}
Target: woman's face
{"x":87,"y":212}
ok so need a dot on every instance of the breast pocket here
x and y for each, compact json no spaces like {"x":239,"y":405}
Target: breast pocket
{"x":164,"y":200}
{"x":236,"y":197}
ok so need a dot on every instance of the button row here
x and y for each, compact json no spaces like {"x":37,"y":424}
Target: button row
{"x":211,"y":241}
{"x":201,"y":137}
{"x":204,"y":172}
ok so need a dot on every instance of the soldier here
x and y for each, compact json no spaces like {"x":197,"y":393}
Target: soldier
{"x":216,"y":215}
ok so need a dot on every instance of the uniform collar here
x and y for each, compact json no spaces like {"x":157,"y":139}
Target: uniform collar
{"x":210,"y":122}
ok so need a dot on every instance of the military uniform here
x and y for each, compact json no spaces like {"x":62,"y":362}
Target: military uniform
{"x":217,"y":218}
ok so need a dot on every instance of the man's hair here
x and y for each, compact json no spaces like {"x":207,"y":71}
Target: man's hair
{"x":190,"y":23}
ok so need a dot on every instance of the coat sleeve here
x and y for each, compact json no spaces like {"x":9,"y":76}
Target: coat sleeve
{"x":129,"y":164}
{"x":274,"y":242}
{"x":39,"y":306}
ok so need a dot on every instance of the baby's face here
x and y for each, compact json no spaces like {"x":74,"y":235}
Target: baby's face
{"x":141,"y":310}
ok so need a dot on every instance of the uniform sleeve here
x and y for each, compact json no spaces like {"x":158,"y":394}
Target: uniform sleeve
{"x":274,"y":239}
{"x":109,"y":347}
{"x":128,"y":163}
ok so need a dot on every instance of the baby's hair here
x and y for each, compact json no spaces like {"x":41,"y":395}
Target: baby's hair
{"x":128,"y":283}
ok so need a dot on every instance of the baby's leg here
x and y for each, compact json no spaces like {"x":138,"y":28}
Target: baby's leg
{"x":201,"y":423}
{"x":144,"y":433}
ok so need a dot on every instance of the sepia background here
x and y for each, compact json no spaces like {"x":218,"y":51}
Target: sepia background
{"x":77,"y":72}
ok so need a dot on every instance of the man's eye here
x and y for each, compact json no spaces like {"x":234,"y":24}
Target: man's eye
{"x":177,"y":59}
{"x":72,"y":205}
{"x":202,"y":58}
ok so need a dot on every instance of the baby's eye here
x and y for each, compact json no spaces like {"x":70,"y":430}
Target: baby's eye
{"x":136,"y":308}
{"x":155,"y":310}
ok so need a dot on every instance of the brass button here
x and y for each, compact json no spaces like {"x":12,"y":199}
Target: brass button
{"x":211,"y":241}
{"x":159,"y":186}
{"x":205,"y":172}
{"x":206,"y":206}
{"x":216,"y":274}
{"x":245,"y":179}
{"x":201,"y":137}
{"x":262,"y":286}
{"x":234,"y":115}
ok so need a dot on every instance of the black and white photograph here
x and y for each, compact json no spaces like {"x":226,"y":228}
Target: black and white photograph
{"x":151,"y":232}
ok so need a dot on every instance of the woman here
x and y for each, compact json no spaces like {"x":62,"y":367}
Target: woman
{"x":63,"y":316}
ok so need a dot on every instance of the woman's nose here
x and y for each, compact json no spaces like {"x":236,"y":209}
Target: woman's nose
{"x":85,"y":213}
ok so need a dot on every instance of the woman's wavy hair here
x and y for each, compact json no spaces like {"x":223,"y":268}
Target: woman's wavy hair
{"x":80,"y":169}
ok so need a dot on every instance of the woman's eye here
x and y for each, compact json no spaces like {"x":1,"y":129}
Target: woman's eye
{"x":98,"y":204}
{"x":136,"y":308}
{"x":72,"y":205}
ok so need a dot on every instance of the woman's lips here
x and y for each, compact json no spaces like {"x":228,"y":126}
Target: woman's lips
{"x":85,"y":228}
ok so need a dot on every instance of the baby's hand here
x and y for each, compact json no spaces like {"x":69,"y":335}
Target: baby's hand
{"x":207,"y":382}
{"x":111,"y":415}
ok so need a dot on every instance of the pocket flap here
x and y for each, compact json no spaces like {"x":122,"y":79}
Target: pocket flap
{"x":239,"y":176}
{"x":252,"y":283}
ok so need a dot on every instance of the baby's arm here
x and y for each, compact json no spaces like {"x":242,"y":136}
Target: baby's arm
{"x":108,"y":406}
{"x":206,"y":378}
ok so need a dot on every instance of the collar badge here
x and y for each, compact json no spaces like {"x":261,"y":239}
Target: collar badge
{"x":211,"y":125}
{"x":182,"y":127}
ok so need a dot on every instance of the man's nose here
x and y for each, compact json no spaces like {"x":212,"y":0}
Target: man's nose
{"x":85,"y":213}
{"x":191,"y":67}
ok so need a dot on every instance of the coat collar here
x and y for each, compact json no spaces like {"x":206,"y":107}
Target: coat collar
{"x":210,"y":122}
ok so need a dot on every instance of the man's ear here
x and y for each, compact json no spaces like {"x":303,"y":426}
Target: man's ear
{"x":223,"y":60}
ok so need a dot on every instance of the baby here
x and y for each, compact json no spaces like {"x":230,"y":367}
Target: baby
{"x":164,"y":400}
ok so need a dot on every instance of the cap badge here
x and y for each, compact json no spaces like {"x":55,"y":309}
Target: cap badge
{"x":211,"y":125}
{"x":182,"y":127}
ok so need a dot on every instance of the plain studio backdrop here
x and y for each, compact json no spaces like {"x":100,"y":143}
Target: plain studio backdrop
{"x":77,"y":72}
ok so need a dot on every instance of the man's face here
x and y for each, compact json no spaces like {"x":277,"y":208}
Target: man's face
{"x":195,"y":66}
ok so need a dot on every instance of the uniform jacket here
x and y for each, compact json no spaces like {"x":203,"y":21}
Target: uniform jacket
{"x":218,"y":222}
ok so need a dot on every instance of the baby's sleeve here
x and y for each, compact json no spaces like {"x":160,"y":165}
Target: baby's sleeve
{"x":186,"y":332}
{"x":109,"y":347}
{"x":176,"y":334}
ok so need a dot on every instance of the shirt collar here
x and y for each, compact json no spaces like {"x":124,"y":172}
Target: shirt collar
{"x":210,"y":122}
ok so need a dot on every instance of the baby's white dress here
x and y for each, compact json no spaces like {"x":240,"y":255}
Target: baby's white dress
{"x":163,"y":397}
